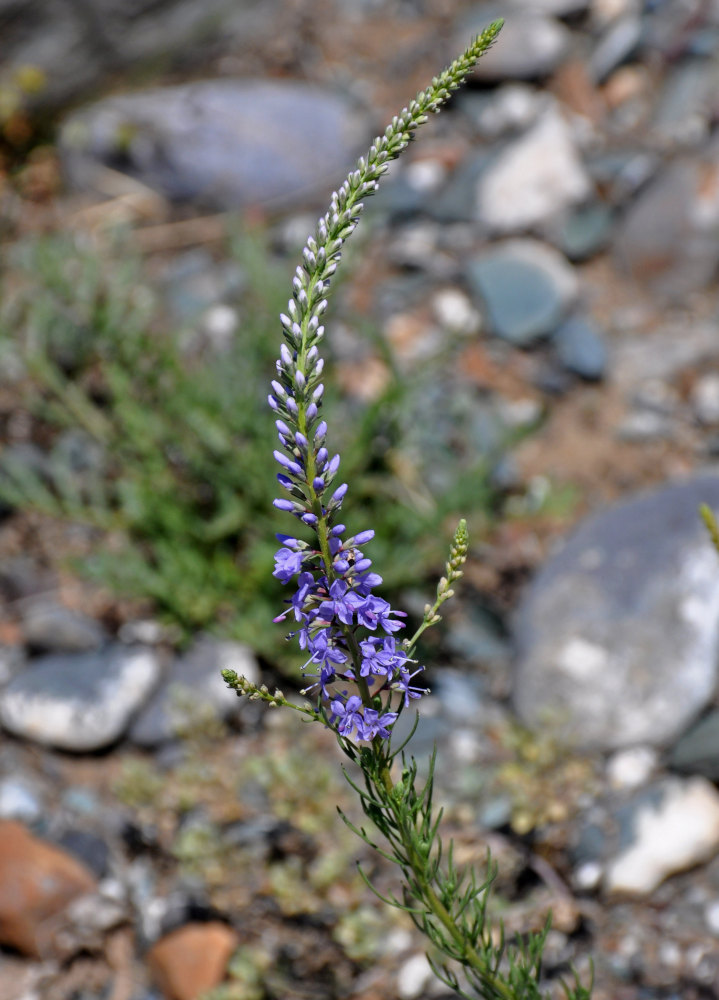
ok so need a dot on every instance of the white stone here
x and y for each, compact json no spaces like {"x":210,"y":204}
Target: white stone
{"x":538,"y":176}
{"x":425,"y":175}
{"x":632,"y":767}
{"x":413,"y":977}
{"x":220,"y":323}
{"x":705,"y":399}
{"x":588,"y":876}
{"x":455,"y":311}
{"x":581,"y":658}
{"x":711,"y":916}
{"x":679,"y":832}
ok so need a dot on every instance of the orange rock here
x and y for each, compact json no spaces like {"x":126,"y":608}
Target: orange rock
{"x":37,"y":881}
{"x":192,"y":959}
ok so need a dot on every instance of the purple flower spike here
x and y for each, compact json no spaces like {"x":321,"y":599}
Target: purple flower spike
{"x":284,"y":505}
{"x":363,"y":537}
{"x":318,"y":484}
{"x":287,"y":463}
{"x":339,"y":494}
{"x":309,"y":518}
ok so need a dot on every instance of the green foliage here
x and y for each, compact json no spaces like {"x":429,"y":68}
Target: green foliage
{"x":180,"y":486}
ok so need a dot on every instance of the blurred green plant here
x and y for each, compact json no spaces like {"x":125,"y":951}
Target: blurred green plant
{"x":178,"y":483}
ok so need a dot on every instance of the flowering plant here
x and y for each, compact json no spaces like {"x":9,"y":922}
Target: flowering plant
{"x":362,"y":675}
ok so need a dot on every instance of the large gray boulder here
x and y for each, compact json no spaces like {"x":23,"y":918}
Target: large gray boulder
{"x":225,"y":144}
{"x":618,"y":635}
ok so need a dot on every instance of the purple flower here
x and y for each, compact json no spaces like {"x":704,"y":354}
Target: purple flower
{"x":287,"y":564}
{"x":342,"y":604}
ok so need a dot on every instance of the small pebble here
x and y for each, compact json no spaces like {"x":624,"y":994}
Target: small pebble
{"x":632,"y":767}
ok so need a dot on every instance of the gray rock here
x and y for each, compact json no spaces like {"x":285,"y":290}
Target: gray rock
{"x":537,"y":177}
{"x":52,"y":628}
{"x":270,"y":143}
{"x":641,"y":425}
{"x":82,"y":702}
{"x":697,"y":751}
{"x":531,"y":44}
{"x":668,"y":238}
{"x":527,"y":288}
{"x":12,"y":661}
{"x":193,"y":691}
{"x":668,"y":828}
{"x":581,"y":348}
{"x":686,"y":104}
{"x":617,"y":45}
{"x":618,"y":635}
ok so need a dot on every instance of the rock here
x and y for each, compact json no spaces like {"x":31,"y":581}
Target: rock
{"x":531,"y":45}
{"x":668,"y":238}
{"x":12,"y":661}
{"x":697,"y":751}
{"x":632,"y":767}
{"x":192,"y":959}
{"x":581,"y":348}
{"x":617,"y":637}
{"x":19,"y":800}
{"x":669,"y":828}
{"x":582,"y":232}
{"x":455,"y":312}
{"x":705,"y":399}
{"x":414,"y":976}
{"x":538,"y":176}
{"x":527,"y":288}
{"x":685,"y":108}
{"x":81,"y":702}
{"x":511,"y":108}
{"x":268,"y":143}
{"x":617,"y":45}
{"x":194,"y":690}
{"x":37,"y":882}
{"x":52,"y":628}
{"x":72,"y":47}
{"x":89,"y":848}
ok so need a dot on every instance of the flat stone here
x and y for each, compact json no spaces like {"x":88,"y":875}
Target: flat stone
{"x":50,"y":627}
{"x":670,"y":827}
{"x":194,"y":690}
{"x":583,"y":231}
{"x":264,"y":142}
{"x":581,"y":348}
{"x":705,"y":399}
{"x":37,"y":882}
{"x":530,"y":46}
{"x":537,"y":177}
{"x":82,"y":702}
{"x":617,"y":637}
{"x":192,"y":959}
{"x":526,"y":286}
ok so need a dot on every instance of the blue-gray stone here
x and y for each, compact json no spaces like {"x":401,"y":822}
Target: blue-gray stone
{"x":618,"y":44}
{"x":617,"y":637}
{"x":226,"y":144}
{"x":89,"y":848}
{"x":79,"y":702}
{"x":697,"y":751}
{"x":585,"y":231}
{"x":526,"y":286}
{"x":581,"y":348}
